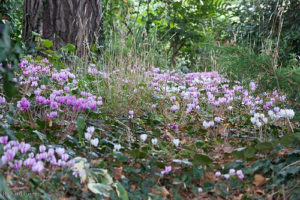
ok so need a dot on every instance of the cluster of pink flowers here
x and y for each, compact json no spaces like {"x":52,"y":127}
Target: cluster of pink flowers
{"x":17,"y":154}
{"x":193,"y":90}
{"x":232,"y":172}
{"x":56,"y":96}
{"x":23,"y":104}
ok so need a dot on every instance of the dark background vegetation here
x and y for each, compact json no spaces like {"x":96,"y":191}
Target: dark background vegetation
{"x":248,"y":39}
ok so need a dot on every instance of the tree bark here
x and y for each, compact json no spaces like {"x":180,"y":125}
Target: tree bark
{"x":63,"y":21}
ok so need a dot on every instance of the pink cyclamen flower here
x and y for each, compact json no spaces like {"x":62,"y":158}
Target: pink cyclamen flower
{"x":4,"y":159}
{"x":240,"y":174}
{"x":60,"y":151}
{"x":218,"y":174}
{"x":52,"y":114}
{"x":90,"y":129}
{"x":175,"y":127}
{"x":29,"y":162}
{"x":23,"y":147}
{"x":3,"y":139}
{"x":252,"y":85}
{"x":71,"y":163}
{"x":23,"y":105}
{"x":172,"y":98}
{"x":2,"y":100}
{"x":64,"y":157}
{"x":131,"y":112}
{"x":10,"y":154}
{"x":174,"y":108}
{"x":42,"y":148}
{"x":167,"y":170}
{"x":218,"y":119}
{"x":38,"y":167}
{"x":226,"y":176}
{"x":16,"y":165}
{"x":232,"y":171}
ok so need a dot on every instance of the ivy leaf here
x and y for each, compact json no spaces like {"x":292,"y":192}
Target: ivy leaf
{"x":41,"y":136}
{"x":208,"y":186}
{"x":137,"y":154}
{"x":121,"y":157}
{"x":264,"y":146}
{"x":249,"y":152}
{"x":200,"y":159}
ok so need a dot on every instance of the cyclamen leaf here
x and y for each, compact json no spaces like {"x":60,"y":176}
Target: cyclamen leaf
{"x":99,"y":188}
{"x":122,"y":193}
{"x":200,"y":159}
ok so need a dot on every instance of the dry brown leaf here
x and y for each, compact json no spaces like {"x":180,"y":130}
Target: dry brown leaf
{"x":259,"y":192}
{"x":240,"y":197}
{"x":162,"y":191}
{"x":9,"y":179}
{"x":259,"y":180}
{"x":118,"y":173}
{"x":169,"y":135}
{"x":210,"y":176}
{"x":96,"y":161}
{"x":227,"y":148}
{"x":285,"y":151}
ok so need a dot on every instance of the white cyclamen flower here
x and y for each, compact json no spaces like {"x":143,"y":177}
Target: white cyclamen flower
{"x":265,"y":120}
{"x":176,"y":142}
{"x":88,"y":136}
{"x":206,"y":124}
{"x":154,"y":141}
{"x":144,"y":137}
{"x":117,"y":147}
{"x":95,"y":142}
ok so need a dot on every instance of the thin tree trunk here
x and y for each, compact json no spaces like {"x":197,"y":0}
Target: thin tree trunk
{"x":63,"y":21}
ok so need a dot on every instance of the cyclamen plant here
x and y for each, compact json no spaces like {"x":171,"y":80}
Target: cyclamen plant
{"x":53,"y":97}
{"x":232,"y":172}
{"x":187,"y":93}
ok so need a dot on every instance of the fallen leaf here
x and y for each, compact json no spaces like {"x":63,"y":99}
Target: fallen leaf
{"x":169,"y":135}
{"x":209,"y":176}
{"x":240,"y":197}
{"x":9,"y":179}
{"x":285,"y":151}
{"x":161,"y":191}
{"x":259,"y":192}
{"x":118,"y":173}
{"x":259,"y":180}
{"x":227,"y":148}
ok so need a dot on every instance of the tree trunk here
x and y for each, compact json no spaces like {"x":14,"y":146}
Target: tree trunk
{"x":63,"y":21}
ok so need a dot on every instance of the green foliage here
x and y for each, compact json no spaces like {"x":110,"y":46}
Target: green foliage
{"x":10,"y":53}
{"x":262,"y":23}
{"x":177,"y":25}
{"x":12,"y":12}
